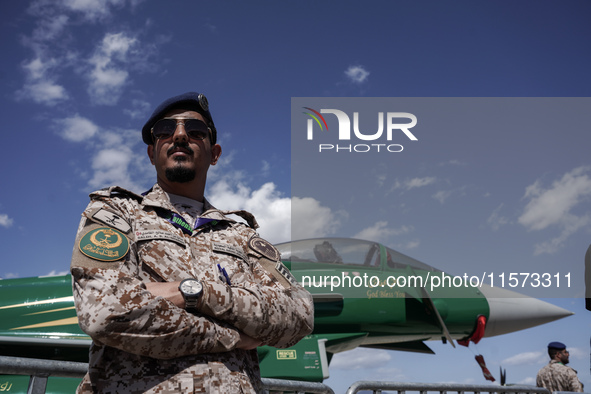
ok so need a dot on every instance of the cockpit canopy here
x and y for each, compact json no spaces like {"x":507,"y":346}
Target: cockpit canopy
{"x":348,"y":251}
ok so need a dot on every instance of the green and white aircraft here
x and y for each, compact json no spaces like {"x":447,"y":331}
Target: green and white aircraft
{"x":365,"y":294}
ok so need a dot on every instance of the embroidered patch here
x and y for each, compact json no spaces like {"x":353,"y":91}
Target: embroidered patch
{"x":112,"y":219}
{"x":285,"y":273}
{"x":264,"y":247}
{"x":148,"y":235}
{"x":229,"y":249}
{"x":104,"y":244}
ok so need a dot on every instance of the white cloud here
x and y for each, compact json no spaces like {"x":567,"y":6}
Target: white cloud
{"x":41,"y":77}
{"x":40,"y":86}
{"x":408,"y":184}
{"x":76,"y":128}
{"x":571,"y":225}
{"x":212,"y":28}
{"x":118,"y":163}
{"x":548,"y":207}
{"x":5,"y":221}
{"x":360,"y":359}
{"x":311,"y":219}
{"x":266,"y":168}
{"x":453,"y":162}
{"x":140,"y":109}
{"x":419,"y":182}
{"x":409,"y":245}
{"x":577,"y":353}
{"x":527,"y":358}
{"x":528,"y":380}
{"x":50,"y":28}
{"x":45,"y":92}
{"x":380,"y":232}
{"x":554,"y":206}
{"x":271,"y":210}
{"x":37,"y":67}
{"x":357,"y":74}
{"x":54,"y":42}
{"x":92,"y":9}
{"x":116,"y":158}
{"x":106,"y":78}
{"x":111,"y":167}
{"x":442,"y":195}
{"x":89,"y":9}
{"x":495,"y":220}
{"x":56,"y":273}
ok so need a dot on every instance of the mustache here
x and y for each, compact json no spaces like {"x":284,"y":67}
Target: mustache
{"x":180,"y":145}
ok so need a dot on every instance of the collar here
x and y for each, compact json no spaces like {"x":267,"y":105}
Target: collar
{"x":158,"y":198}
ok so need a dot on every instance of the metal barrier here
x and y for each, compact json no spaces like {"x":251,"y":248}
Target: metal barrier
{"x":295,"y":386}
{"x":402,"y":387}
{"x":40,"y":370}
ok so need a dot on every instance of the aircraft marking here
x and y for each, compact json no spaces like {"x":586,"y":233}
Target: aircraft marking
{"x":51,"y":301}
{"x":53,"y":310}
{"x":60,"y":322}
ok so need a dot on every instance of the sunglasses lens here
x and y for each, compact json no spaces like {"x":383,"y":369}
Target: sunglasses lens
{"x":164,"y":128}
{"x":196,"y":129}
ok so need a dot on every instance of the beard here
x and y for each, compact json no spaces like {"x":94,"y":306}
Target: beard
{"x":180,"y":174}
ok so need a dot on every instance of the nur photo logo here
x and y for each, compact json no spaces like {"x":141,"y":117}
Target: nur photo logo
{"x":390,"y":125}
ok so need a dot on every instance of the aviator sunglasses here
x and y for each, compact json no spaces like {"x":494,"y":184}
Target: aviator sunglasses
{"x":194,"y":128}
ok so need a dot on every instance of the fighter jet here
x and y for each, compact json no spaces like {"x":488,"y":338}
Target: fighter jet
{"x":365,"y":295}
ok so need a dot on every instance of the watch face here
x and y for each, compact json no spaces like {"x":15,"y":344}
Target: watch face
{"x":191,"y":287}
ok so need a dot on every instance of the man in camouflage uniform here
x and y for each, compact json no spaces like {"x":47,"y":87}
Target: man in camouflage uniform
{"x":556,"y":376}
{"x":150,"y":332}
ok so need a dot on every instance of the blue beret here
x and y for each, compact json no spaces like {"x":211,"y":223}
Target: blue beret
{"x":192,"y":101}
{"x":556,"y":345}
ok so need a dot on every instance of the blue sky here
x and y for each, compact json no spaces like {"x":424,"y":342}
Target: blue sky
{"x":80,"y":77}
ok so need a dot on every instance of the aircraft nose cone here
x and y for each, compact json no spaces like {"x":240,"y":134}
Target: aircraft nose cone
{"x":511,"y":311}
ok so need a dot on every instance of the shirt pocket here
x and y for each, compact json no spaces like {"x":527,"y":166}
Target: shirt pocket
{"x":232,"y":261}
{"x":163,"y":255}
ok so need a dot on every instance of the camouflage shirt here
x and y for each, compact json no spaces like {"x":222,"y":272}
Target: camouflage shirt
{"x":144,"y":343}
{"x":556,"y":376}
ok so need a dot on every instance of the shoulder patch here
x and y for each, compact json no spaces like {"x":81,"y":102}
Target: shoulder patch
{"x":104,"y":244}
{"x":264,"y":247}
{"x":111,"y":219}
{"x":114,"y":191}
{"x":249,"y":217}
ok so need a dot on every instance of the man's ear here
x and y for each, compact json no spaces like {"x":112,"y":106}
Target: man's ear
{"x":151,"y":153}
{"x":216,"y":152}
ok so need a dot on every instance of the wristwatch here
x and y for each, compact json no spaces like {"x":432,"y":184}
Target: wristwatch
{"x":191,"y":289}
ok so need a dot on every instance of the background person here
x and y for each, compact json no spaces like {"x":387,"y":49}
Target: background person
{"x":556,"y":375}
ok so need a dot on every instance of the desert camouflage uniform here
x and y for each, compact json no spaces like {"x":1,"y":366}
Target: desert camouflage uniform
{"x":143,"y":343}
{"x":556,"y":376}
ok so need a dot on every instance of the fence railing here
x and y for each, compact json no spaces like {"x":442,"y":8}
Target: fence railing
{"x":40,"y":370}
{"x":403,"y":387}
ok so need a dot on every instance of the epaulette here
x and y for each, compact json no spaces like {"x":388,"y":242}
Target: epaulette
{"x":115,"y":191}
{"x":249,"y":217}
